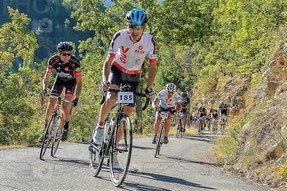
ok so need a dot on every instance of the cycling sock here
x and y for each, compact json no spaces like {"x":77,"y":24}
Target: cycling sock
{"x":66,"y":126}
{"x":46,"y":125}
{"x":101,"y":123}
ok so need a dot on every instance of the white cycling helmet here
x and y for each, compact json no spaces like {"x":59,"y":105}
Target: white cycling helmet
{"x":170,"y":87}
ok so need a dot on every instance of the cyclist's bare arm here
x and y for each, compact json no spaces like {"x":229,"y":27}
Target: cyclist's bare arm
{"x":79,"y":86}
{"x":155,"y":102}
{"x":107,"y":69}
{"x":188,"y":108}
{"x":46,"y":80}
{"x":151,"y":74}
{"x":178,"y":107}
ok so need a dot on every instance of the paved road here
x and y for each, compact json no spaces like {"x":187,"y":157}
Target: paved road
{"x":185,"y":164}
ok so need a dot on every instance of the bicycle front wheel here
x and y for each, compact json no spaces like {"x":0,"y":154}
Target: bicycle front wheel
{"x":57,"y":126}
{"x":96,"y":155}
{"x":158,"y":140}
{"x":120,"y":156}
{"x":47,"y":138}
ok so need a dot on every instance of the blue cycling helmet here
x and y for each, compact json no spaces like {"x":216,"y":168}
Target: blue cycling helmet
{"x":136,"y":16}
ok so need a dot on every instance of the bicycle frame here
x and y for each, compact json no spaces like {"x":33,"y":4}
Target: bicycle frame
{"x":51,"y":135}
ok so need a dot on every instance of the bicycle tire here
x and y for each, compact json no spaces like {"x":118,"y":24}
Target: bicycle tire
{"x":96,"y":152}
{"x":158,"y":140}
{"x":46,"y":139}
{"x":124,"y":151}
{"x":58,"y":132}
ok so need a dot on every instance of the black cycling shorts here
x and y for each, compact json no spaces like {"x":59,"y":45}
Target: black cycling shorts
{"x":184,"y":110}
{"x":119,"y":78}
{"x":224,"y":112}
{"x":60,"y":84}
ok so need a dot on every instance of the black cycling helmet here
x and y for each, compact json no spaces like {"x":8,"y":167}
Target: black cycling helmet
{"x":64,"y":46}
{"x":184,"y":95}
{"x":136,"y":16}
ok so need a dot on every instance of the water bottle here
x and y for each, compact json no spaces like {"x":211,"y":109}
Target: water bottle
{"x":106,"y":130}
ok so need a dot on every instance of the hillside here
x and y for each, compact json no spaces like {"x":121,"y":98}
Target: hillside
{"x":255,"y":143}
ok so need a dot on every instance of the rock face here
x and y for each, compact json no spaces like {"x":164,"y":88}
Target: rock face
{"x":274,"y":77}
{"x":262,"y":139}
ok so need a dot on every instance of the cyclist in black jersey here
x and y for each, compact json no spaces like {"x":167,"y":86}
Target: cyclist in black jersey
{"x":224,"y":110}
{"x":68,"y":76}
{"x":202,"y":112}
{"x":185,"y":103}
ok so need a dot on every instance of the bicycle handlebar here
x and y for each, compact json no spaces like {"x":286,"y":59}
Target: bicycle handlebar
{"x":135,"y":93}
{"x":59,"y":98}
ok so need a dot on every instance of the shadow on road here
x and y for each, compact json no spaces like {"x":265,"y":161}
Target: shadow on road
{"x":204,"y":138}
{"x":170,"y":179}
{"x":187,"y":161}
{"x":143,"y":187}
{"x":142,"y":148}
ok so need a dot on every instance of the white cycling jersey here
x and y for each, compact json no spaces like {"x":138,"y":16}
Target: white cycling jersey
{"x":129,"y":56}
{"x":166,"y":102}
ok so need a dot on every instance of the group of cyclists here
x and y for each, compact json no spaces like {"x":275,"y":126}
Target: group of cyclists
{"x":212,"y":118}
{"x":126,"y":55}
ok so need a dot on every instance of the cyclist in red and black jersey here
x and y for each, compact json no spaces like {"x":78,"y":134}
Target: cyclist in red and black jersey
{"x":68,"y":76}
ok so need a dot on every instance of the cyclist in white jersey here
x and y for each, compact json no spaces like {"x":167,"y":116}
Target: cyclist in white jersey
{"x":168,"y":100}
{"x":127,"y":53}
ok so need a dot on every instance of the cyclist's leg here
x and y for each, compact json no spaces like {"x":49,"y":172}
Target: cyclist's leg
{"x":157,"y":123}
{"x":56,"y":91}
{"x":70,"y":88}
{"x":185,"y":121}
{"x":127,"y":110}
{"x":167,"y":125}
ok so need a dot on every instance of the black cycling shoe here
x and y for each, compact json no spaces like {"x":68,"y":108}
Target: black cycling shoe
{"x":65,"y":134}
{"x":154,"y":140}
{"x":165,"y":140}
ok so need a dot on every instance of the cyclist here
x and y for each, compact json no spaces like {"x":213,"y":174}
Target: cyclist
{"x":68,"y":70}
{"x":185,"y":103}
{"x":224,"y":111}
{"x":127,"y":53}
{"x":202,"y":112}
{"x":214,"y":117}
{"x":168,"y":100}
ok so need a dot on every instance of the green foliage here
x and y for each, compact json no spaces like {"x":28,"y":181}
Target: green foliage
{"x":200,"y":44}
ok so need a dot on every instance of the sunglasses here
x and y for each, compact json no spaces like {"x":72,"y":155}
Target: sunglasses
{"x":66,"y":54}
{"x":138,"y":27}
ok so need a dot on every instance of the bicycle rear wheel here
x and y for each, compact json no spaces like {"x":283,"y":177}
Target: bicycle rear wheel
{"x":96,"y":155}
{"x":120,"y":156}
{"x":158,"y":140}
{"x":57,"y":126}
{"x":46,"y":139}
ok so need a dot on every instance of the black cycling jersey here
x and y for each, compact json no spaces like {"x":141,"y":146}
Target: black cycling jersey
{"x":184,"y":104}
{"x":202,"y":111}
{"x":65,"y":71}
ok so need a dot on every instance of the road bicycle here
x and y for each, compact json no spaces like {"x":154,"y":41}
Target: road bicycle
{"x":180,"y":128}
{"x":160,"y":132}
{"x":54,"y":130}
{"x":200,"y":124}
{"x":112,"y":144}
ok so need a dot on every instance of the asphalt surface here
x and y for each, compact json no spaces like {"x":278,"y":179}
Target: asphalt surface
{"x":185,"y":164}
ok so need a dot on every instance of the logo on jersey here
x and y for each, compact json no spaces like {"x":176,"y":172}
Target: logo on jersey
{"x":67,"y":69}
{"x":140,"y":47}
{"x":123,"y":55}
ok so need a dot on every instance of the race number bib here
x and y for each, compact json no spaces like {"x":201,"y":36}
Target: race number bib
{"x":163,"y":115}
{"x":126,"y":97}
